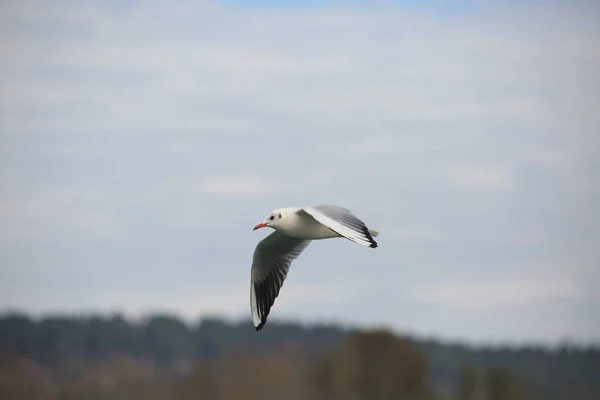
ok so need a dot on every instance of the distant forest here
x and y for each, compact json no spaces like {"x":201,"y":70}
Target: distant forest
{"x":162,"y":357}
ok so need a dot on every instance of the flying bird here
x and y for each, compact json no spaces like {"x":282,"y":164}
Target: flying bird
{"x":295,"y":228}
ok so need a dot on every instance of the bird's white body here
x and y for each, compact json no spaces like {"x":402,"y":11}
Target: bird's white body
{"x":295,"y":228}
{"x":302,"y":226}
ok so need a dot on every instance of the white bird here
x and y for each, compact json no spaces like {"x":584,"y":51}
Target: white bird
{"x":295,"y":228}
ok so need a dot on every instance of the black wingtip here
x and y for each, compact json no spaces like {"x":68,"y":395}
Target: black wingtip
{"x":263,"y":321}
{"x":366,"y":232}
{"x":262,"y":324}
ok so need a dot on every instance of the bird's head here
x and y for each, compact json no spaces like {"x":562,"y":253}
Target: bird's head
{"x":272,"y":220}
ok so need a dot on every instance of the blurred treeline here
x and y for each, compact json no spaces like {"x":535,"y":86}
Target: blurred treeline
{"x":161,"y":357}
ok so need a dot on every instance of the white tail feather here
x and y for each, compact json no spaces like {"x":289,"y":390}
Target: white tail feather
{"x":373,"y":233}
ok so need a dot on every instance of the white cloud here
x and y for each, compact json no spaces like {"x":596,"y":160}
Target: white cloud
{"x":239,"y":185}
{"x":40,"y":12}
{"x":85,"y":209}
{"x":514,"y":293}
{"x":43,"y":202}
{"x":443,"y":72}
{"x":413,"y":235}
{"x":550,"y":157}
{"x":526,"y":239}
{"x":476,"y":176}
{"x":289,"y":182}
{"x":372,"y":144}
{"x":98,"y":223}
{"x":295,"y":295}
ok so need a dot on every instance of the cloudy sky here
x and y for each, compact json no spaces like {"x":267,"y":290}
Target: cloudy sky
{"x":140,"y":142}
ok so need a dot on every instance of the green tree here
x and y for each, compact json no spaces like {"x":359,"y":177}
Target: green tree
{"x":373,"y":365}
{"x":202,"y":384}
{"x":467,"y":381}
{"x":504,"y":385}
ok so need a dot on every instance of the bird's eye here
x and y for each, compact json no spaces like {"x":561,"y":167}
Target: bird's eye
{"x":279,"y":216}
{"x":271,"y":217}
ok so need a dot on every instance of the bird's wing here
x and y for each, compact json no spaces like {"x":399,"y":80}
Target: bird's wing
{"x":270,"y":264}
{"x":343,"y":222}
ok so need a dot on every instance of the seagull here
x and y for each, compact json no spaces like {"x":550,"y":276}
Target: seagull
{"x":294,"y":229}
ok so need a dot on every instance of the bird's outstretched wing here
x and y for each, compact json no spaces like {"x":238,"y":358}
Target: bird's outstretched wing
{"x":343,"y":222}
{"x":270,"y":264}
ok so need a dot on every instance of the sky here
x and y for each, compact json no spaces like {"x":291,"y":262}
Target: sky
{"x":140,"y":142}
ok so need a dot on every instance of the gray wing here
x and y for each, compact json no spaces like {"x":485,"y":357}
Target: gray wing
{"x":270,"y":264}
{"x":343,"y":222}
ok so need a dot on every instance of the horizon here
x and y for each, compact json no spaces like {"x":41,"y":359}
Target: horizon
{"x":195,"y":323}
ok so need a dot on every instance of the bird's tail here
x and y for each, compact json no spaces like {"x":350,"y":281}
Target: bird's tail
{"x":373,"y":233}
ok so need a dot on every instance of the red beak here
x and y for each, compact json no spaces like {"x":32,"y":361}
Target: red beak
{"x":261,"y":225}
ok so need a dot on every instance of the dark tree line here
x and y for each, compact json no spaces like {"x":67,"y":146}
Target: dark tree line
{"x":163,"y":357}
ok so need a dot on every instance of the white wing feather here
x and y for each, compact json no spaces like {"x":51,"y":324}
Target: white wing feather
{"x":342,"y":221}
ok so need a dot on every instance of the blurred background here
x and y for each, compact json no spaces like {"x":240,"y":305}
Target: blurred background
{"x":140,"y":142}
